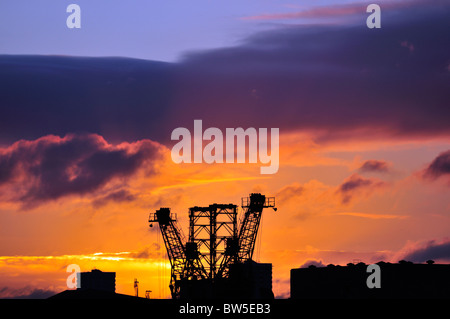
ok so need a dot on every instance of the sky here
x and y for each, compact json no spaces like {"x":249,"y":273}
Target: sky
{"x":87,"y":115}
{"x":152,"y":30}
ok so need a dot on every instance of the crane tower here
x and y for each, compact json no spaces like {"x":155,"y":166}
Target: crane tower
{"x":206,"y":262}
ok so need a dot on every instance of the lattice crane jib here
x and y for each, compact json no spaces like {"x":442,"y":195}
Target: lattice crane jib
{"x":248,"y":231}
{"x":174,"y":245}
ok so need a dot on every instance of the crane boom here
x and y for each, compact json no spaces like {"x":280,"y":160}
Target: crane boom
{"x":174,"y":245}
{"x":248,"y":232}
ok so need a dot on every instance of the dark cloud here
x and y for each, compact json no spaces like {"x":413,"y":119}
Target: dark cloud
{"x":432,"y":250}
{"x":440,"y":166}
{"x":25,"y":293}
{"x":122,"y":195}
{"x":312,"y":262}
{"x":374,"y":166}
{"x":332,"y":79}
{"x":52,"y":167}
{"x":355,"y":184}
{"x":119,"y":98}
{"x":153,"y":251}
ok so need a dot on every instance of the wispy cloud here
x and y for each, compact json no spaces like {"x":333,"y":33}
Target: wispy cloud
{"x":187,"y":183}
{"x":373,"y":216}
{"x":317,"y":12}
{"x":340,"y":10}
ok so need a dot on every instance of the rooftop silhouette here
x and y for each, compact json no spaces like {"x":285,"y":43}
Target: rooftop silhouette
{"x":398,"y":280}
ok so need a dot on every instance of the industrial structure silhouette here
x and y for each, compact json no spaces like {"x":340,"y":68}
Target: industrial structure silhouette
{"x":216,"y":260}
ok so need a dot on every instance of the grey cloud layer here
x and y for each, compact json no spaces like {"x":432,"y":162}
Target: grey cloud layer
{"x":330,"y":79}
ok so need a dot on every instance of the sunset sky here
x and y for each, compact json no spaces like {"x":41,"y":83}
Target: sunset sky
{"x":86,"y":117}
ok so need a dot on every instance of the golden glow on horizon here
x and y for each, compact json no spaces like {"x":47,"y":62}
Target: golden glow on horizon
{"x":153,"y":274}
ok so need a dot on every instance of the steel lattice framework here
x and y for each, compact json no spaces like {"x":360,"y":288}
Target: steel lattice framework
{"x":211,"y":228}
{"x":214,"y":242}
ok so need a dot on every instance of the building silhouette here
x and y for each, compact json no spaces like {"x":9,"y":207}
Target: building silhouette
{"x":400,"y":280}
{"x":95,"y":284}
{"x":97,"y":280}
